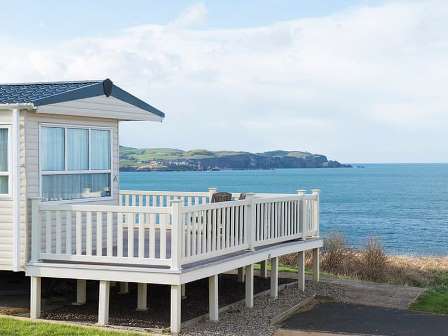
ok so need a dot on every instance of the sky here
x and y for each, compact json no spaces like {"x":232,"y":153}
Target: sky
{"x":358,"y":81}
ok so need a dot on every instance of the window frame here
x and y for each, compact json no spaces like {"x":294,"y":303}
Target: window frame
{"x":89,"y":171}
{"x":8,"y":173}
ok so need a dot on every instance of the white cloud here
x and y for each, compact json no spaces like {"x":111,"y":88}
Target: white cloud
{"x":366,"y":84}
{"x":191,"y":17}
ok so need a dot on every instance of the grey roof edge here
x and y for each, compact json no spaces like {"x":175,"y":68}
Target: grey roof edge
{"x":99,"y":88}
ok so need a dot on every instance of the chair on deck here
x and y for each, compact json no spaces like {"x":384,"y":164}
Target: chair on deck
{"x":221,"y":197}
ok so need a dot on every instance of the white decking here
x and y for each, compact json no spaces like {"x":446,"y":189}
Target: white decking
{"x":170,"y":238}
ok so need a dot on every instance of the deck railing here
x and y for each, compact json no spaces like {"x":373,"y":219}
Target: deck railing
{"x":169,"y":229}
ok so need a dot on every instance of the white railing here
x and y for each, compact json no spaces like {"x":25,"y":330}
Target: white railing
{"x":158,"y":229}
{"x":164,"y":198}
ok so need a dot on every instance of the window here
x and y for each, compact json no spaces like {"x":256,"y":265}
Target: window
{"x":4,"y":161}
{"x":76,"y":162}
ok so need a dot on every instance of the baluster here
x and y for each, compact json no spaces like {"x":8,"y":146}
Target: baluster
{"x":203,"y":231}
{"x":241,"y":225}
{"x":152,"y":235}
{"x":141,"y":235}
{"x":110,"y":237}
{"x":99,"y":233}
{"x":237,"y":224}
{"x":131,"y":223}
{"x":232,"y":226}
{"x":120,"y":219}
{"x":222,"y":217}
{"x":89,"y":233}
{"x":189,"y":228}
{"x":78,"y":238}
{"x":68,"y":232}
{"x":209,"y":230}
{"x":194,"y":248}
{"x":48,"y":229}
{"x":163,"y":221}
{"x":214,"y":223}
{"x":58,"y":232}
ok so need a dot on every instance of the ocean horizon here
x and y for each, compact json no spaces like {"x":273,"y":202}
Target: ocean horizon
{"x":405,"y":205}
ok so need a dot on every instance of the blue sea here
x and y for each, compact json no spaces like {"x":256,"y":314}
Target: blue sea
{"x":404,"y":205}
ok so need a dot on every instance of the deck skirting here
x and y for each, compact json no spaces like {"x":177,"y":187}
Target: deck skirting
{"x":167,"y":276}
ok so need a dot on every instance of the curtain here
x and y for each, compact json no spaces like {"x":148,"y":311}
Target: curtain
{"x":4,"y":160}
{"x":100,"y":147}
{"x":53,"y":148}
{"x":77,"y":149}
{"x":75,"y":186}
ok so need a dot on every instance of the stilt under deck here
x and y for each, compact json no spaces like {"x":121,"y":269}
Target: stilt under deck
{"x":173,"y":242}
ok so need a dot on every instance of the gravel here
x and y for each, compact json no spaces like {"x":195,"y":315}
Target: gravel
{"x":242,"y":321}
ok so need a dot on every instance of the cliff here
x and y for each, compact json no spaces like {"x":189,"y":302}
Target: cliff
{"x":149,"y":159}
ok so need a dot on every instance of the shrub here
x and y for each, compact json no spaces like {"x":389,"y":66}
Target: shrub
{"x":334,"y":253}
{"x":373,"y":261}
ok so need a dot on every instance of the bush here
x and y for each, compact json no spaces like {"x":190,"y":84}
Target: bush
{"x":334,"y":253}
{"x":373,"y":261}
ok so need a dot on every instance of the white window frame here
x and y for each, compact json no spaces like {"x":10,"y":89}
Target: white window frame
{"x":77,"y":172}
{"x":8,"y":173}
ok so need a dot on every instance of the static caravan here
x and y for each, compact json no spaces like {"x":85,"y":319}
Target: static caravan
{"x":63,"y":215}
{"x":58,"y":143}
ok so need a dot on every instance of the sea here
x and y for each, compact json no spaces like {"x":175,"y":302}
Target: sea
{"x":405,"y":206}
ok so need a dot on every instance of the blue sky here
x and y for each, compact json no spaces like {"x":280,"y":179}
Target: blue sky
{"x":58,"y":20}
{"x":359,"y":81}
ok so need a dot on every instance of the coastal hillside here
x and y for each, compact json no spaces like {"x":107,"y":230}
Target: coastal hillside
{"x":157,"y":159}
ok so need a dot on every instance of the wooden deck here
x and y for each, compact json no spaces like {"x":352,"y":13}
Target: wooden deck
{"x":170,"y":238}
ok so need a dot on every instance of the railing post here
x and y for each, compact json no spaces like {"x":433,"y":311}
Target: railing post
{"x":36,"y":233}
{"x":316,"y":213}
{"x":251,"y":221}
{"x":177,"y":231}
{"x":211,"y":191}
{"x":302,"y":214}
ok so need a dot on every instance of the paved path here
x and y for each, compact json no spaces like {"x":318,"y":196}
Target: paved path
{"x":352,"y":319}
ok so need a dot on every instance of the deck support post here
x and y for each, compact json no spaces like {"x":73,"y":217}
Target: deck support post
{"x":301,"y":270}
{"x":184,"y":291}
{"x":36,"y":298}
{"x":124,"y":288}
{"x":213,"y":298}
{"x":81,"y":292}
{"x":316,"y":271}
{"x":241,"y":274}
{"x":250,"y":286}
{"x":103,"y":303}
{"x":142,"y":297}
{"x":264,"y":269}
{"x":274,"y":278}
{"x":176,"y":302}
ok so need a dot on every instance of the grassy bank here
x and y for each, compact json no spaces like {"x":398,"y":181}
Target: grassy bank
{"x":372,"y":264}
{"x":16,"y":327}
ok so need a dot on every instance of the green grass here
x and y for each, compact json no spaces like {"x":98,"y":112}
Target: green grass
{"x":15,"y":327}
{"x":435,"y":299}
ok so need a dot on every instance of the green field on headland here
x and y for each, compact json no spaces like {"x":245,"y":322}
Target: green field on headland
{"x":148,"y":159}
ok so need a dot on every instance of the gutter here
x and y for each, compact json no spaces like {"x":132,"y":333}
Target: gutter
{"x":15,"y":175}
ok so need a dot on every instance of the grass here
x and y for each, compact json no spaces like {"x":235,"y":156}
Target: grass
{"x":435,"y":299}
{"x":15,"y":327}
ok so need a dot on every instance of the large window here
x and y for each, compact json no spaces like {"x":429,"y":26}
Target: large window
{"x":75,"y":162}
{"x":4,"y":161}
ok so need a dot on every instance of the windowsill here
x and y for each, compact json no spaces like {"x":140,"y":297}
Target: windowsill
{"x":5,"y":197}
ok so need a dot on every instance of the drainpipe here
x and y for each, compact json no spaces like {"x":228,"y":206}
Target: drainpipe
{"x":16,"y":189}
